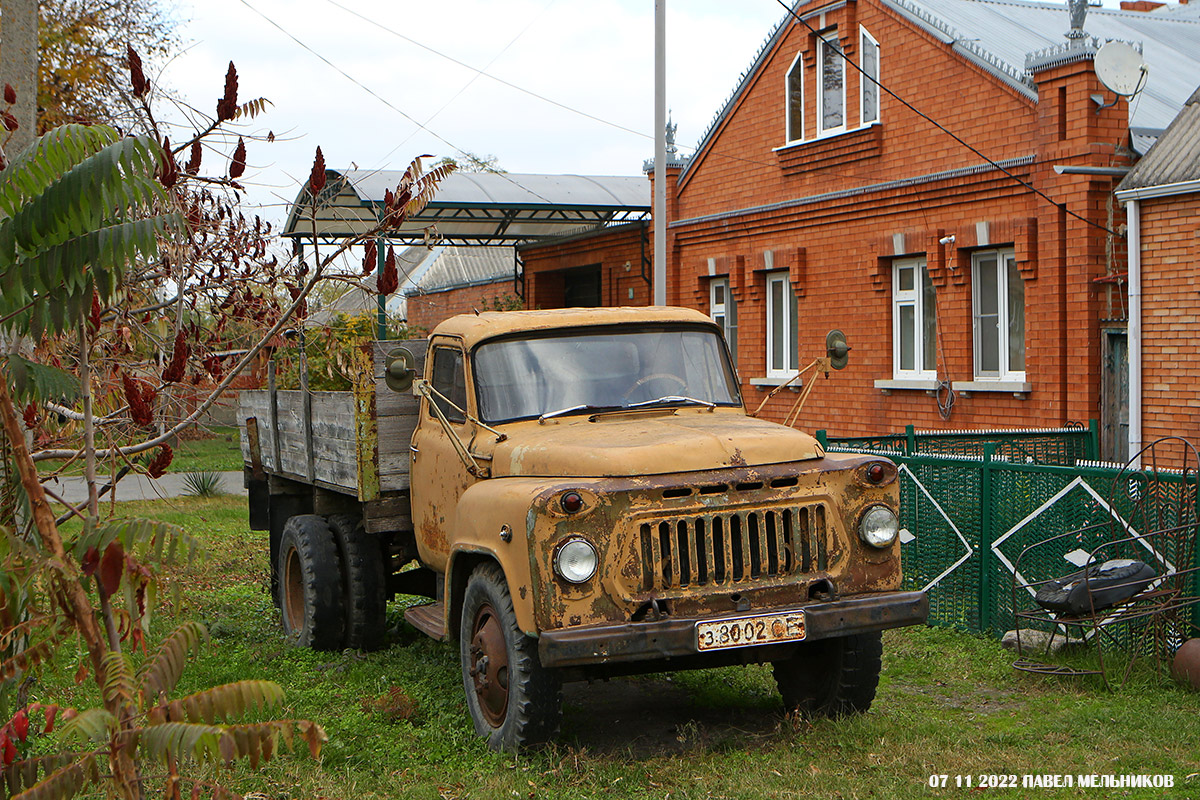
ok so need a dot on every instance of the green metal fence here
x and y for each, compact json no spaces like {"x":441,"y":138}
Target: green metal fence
{"x":970,"y":503}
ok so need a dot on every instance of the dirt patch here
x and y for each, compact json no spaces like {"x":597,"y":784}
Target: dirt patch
{"x":655,"y":717}
{"x":981,"y":700}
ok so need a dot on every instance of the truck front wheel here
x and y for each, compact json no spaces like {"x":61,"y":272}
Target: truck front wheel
{"x":310,"y":583}
{"x":514,"y":701}
{"x":832,"y":677}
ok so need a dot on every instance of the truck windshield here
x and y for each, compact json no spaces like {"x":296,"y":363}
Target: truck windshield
{"x":576,"y":372}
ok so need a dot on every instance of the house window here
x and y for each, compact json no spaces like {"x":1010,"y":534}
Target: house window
{"x":914,"y":321}
{"x":869,"y":85}
{"x":831,"y":95}
{"x":998,"y":305}
{"x":795,"y":100}
{"x":723,"y":310}
{"x":782,"y":327}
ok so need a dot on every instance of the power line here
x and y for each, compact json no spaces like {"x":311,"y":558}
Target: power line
{"x":792,"y":13}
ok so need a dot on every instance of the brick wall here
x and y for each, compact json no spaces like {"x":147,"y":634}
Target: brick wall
{"x":813,"y":206}
{"x":427,"y":310}
{"x":617,"y":252}
{"x":1170,"y":317}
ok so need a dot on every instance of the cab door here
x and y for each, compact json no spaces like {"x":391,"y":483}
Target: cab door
{"x":439,"y":475}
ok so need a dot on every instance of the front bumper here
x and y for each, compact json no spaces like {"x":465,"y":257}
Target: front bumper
{"x":673,"y":638}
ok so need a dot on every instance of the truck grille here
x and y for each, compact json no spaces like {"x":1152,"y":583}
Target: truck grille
{"x":724,"y":549}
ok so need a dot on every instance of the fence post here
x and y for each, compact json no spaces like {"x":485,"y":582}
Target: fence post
{"x":910,"y":446}
{"x":1093,"y":440}
{"x":987,"y":594}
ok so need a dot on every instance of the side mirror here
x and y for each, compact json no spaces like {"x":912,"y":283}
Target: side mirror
{"x":837,"y":349}
{"x":399,"y":373}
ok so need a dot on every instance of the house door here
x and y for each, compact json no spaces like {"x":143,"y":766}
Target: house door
{"x":1114,"y":398}
{"x":581,"y":287}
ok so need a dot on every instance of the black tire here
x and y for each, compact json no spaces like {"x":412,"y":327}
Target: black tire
{"x":831,"y":677}
{"x":514,"y":701}
{"x":311,"y":594}
{"x":363,"y":576}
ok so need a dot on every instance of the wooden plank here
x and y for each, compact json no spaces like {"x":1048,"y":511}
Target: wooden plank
{"x":394,"y":482}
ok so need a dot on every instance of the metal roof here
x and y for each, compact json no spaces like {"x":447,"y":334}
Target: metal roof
{"x":477,"y":207}
{"x":1175,"y":157}
{"x":999,"y":35}
{"x":457,"y":267}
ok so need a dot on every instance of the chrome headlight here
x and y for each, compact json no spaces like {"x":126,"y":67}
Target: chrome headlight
{"x":879,"y":527}
{"x":575,"y":561}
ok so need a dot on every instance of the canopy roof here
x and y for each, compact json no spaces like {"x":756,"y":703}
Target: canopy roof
{"x":475,"y":208}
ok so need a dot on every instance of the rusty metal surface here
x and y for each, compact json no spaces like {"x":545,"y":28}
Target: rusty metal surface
{"x":475,"y":328}
{"x":646,"y":641}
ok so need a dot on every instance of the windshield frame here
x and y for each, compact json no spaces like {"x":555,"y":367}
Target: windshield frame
{"x":623,"y":328}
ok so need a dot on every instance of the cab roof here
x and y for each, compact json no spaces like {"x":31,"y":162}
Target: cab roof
{"x":475,"y":328}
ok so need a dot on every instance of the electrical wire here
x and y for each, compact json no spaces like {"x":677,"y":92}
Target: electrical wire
{"x":791,"y":12}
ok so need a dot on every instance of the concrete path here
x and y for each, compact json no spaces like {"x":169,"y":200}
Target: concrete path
{"x":139,"y":487}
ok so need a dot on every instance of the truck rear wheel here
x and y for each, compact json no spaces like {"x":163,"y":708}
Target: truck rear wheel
{"x":514,"y":701}
{"x":311,"y":595}
{"x":362,"y":565}
{"x":831,"y":677}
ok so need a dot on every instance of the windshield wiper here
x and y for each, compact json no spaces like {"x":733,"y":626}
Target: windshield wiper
{"x":573,"y":409}
{"x":671,"y":400}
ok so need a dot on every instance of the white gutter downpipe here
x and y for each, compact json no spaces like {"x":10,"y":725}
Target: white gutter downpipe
{"x":1133,"y":227}
{"x":660,"y":152}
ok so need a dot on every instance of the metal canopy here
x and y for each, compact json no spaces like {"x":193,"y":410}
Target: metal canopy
{"x":474,"y":208}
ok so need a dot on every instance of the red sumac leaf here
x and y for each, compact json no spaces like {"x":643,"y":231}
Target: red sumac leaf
{"x":91,"y":560}
{"x":136,"y":76}
{"x":30,"y":416}
{"x":193,"y":164}
{"x":370,"y":256}
{"x":227,"y":105}
{"x":112,"y":565}
{"x":388,"y":281}
{"x":158,"y":466}
{"x":10,"y":749}
{"x":316,"y":181}
{"x":10,"y":94}
{"x":238,"y":165}
{"x":51,"y":713}
{"x":20,"y":724}
{"x":10,"y":122}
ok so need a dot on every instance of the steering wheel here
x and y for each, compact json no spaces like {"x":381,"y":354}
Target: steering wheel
{"x":642,"y":381}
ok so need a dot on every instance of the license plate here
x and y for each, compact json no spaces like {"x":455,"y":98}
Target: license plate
{"x":750,"y":631}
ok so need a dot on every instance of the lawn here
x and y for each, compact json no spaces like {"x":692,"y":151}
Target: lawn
{"x":209,"y":449}
{"x":948,"y":704}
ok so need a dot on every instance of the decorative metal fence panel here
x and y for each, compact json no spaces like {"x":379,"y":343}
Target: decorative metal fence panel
{"x":966,"y":517}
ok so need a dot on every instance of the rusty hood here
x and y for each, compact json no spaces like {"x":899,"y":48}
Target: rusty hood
{"x":648,"y":443}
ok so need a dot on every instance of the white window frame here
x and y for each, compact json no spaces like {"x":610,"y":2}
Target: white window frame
{"x":913,"y":298}
{"x":825,"y":39}
{"x":1005,"y":259}
{"x":782,"y":364}
{"x":722,"y":308}
{"x":864,"y":82}
{"x":790,"y":101}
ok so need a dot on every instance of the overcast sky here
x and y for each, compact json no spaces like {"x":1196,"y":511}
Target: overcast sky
{"x":342,"y":75}
{"x":596,"y":58}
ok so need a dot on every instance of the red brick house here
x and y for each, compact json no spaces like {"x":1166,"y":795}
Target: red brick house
{"x":1162,"y":200}
{"x":990,"y":277}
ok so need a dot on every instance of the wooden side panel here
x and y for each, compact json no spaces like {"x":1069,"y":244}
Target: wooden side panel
{"x":333,"y":435}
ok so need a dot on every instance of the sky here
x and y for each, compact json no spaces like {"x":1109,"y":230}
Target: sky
{"x":567,"y":85}
{"x":341,"y":75}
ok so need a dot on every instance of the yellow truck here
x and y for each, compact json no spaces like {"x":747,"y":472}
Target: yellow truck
{"x":579,"y":493}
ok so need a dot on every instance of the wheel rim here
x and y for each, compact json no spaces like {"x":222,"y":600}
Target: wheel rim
{"x":489,"y":665}
{"x":293,"y":593}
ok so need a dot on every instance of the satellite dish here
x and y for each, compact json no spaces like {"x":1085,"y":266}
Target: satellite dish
{"x":1120,"y":68}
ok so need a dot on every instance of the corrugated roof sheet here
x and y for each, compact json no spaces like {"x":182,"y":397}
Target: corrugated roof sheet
{"x":465,"y":266}
{"x":1175,"y":157}
{"x":999,"y":34}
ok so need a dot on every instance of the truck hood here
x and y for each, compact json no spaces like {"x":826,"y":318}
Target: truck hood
{"x":648,"y":443}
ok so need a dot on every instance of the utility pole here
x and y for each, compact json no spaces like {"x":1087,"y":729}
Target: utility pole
{"x":660,"y":152}
{"x":19,"y":67}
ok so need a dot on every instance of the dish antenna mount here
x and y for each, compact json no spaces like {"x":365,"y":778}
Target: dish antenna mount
{"x":1122,"y":71}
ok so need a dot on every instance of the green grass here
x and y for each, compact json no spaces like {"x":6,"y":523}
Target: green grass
{"x":948,"y":704}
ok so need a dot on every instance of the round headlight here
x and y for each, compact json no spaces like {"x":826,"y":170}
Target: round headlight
{"x":879,"y":526}
{"x":575,"y":561}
